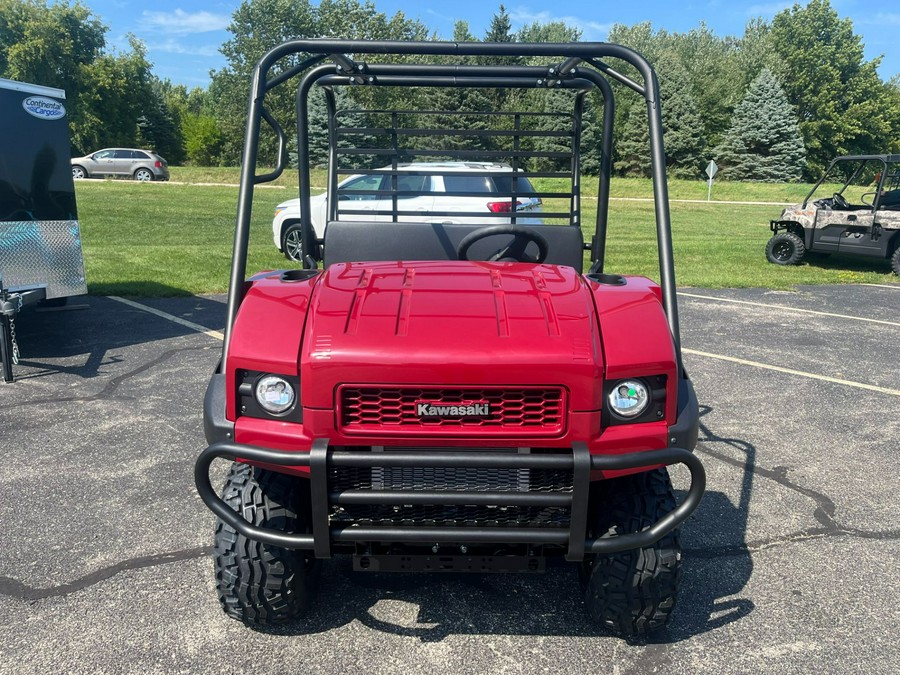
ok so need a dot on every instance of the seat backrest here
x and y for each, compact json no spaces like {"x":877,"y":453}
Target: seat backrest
{"x":359,"y":241}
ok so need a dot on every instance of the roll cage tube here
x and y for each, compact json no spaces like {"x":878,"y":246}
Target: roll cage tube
{"x":345,"y":71}
{"x":884,"y":159}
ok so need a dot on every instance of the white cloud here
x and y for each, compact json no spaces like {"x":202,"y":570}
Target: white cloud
{"x":442,"y":17}
{"x":175,"y":47}
{"x":180,"y":22}
{"x":768,"y":9}
{"x":590,"y":30}
{"x":882,"y":19}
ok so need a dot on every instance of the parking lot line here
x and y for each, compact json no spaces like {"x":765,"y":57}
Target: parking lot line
{"x":744,"y":362}
{"x":791,"y":371}
{"x":171,"y":317}
{"x":895,"y":287}
{"x":789,"y":309}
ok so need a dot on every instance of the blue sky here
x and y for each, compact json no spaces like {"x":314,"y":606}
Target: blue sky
{"x":183,"y":36}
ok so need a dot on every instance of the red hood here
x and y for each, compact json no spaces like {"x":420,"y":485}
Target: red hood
{"x":451,"y":324}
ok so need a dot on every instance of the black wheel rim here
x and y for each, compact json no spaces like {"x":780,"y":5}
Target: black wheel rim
{"x":783,"y":250}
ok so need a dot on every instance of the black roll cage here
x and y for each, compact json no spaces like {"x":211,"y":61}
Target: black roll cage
{"x":578,"y":66}
{"x":883,"y":182}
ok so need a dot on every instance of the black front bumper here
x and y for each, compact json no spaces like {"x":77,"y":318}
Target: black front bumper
{"x":321,"y":459}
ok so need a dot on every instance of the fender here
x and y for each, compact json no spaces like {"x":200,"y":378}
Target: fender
{"x":268,"y":329}
{"x":635,"y":336}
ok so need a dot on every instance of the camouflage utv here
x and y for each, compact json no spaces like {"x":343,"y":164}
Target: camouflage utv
{"x":861,"y":218}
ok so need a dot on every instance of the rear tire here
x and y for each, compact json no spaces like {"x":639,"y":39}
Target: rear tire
{"x":143,"y":175}
{"x":633,"y":592}
{"x":895,"y":262}
{"x":785,"y":248}
{"x":258,"y":583}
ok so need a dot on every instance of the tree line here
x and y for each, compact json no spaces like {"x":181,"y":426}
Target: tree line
{"x":776,"y":103}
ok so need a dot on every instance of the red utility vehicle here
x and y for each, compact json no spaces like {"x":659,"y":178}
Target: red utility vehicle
{"x":429,"y":396}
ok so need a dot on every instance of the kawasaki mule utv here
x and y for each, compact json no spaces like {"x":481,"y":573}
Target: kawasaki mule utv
{"x":862,"y":218}
{"x":435,"y":396}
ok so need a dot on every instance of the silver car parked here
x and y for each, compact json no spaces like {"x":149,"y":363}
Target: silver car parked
{"x":143,"y":165}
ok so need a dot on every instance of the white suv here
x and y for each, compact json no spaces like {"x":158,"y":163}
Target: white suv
{"x":428,"y":201}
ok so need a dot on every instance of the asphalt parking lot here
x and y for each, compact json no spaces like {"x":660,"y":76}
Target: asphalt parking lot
{"x":790,"y":561}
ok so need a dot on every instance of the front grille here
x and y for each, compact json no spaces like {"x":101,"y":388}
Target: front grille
{"x":529,"y":410}
{"x":451,"y":479}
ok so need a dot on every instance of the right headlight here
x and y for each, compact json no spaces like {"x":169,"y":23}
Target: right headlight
{"x":275,"y":394}
{"x":629,"y":398}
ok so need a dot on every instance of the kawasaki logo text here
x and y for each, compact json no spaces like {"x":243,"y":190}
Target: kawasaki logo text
{"x":428,"y":409}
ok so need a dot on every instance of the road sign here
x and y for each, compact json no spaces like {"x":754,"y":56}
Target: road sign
{"x":711,"y":170}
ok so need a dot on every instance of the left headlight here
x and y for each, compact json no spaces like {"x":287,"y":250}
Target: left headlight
{"x":275,"y":394}
{"x":629,"y":398}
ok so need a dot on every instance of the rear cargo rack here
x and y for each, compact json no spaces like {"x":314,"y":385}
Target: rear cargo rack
{"x":510,"y":135}
{"x":577,"y":68}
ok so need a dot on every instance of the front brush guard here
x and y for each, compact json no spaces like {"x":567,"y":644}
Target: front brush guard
{"x":580,"y":462}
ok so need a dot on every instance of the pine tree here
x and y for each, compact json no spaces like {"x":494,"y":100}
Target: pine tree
{"x":461,"y":32}
{"x":501,"y":27}
{"x":318,"y":130}
{"x":500,"y":30}
{"x":459,"y":100}
{"x":633,"y":151}
{"x":764,"y":141}
{"x":682,"y":124}
{"x":555,"y":101}
{"x":682,"y":129}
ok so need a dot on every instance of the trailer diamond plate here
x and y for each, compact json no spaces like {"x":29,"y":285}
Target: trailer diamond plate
{"x":35,"y":253}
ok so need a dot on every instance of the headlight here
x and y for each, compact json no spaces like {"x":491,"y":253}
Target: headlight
{"x":629,"y":398}
{"x":274,"y":394}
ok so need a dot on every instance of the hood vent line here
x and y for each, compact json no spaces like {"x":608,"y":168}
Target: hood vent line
{"x":356,"y":305}
{"x":500,"y":304}
{"x":546,"y":300}
{"x":405,"y":302}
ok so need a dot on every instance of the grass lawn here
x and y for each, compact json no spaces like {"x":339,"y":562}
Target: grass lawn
{"x":171,"y":239}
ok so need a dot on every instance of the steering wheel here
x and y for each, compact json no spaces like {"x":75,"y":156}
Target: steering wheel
{"x":840,"y":201}
{"x":514,"y":250}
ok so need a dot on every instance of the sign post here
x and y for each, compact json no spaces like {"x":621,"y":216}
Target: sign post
{"x":711,"y":170}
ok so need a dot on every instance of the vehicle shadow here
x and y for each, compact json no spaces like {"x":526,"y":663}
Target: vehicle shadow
{"x":83,"y":337}
{"x":848,"y":263}
{"x":432,"y":607}
{"x":717,"y":563}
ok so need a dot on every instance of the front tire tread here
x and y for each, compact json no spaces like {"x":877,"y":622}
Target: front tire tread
{"x":258,"y":583}
{"x":634,"y":592}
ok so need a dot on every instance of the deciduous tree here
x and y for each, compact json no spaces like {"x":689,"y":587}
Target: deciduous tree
{"x":64,"y":46}
{"x":260,"y":25}
{"x":842,"y":104}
